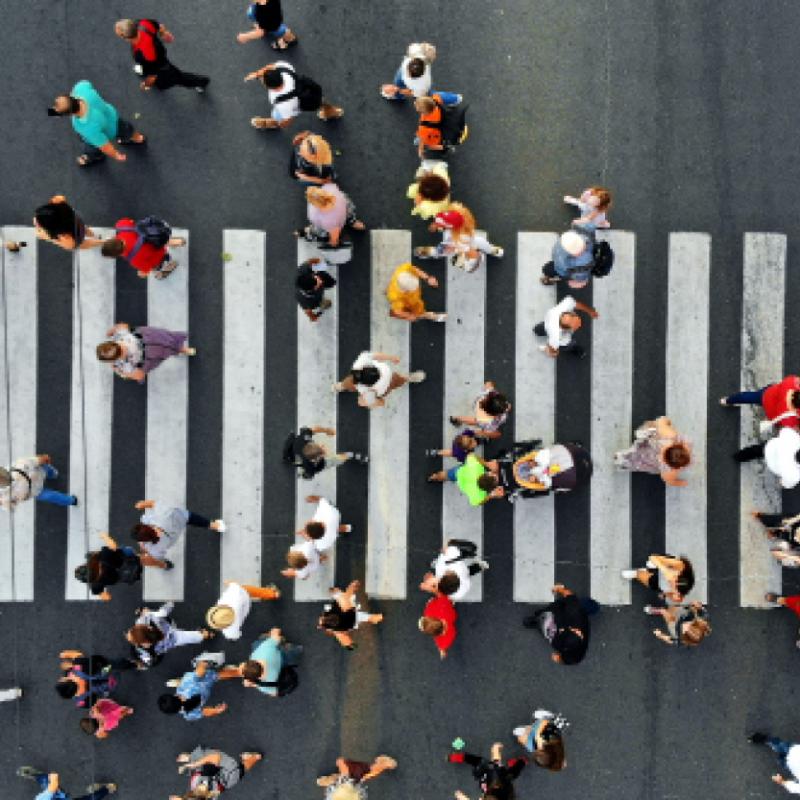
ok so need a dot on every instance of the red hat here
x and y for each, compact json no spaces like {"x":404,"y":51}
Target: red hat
{"x":449,"y":219}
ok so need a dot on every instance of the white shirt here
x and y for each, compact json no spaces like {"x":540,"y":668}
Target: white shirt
{"x":288,"y":108}
{"x":21,"y":489}
{"x":238,"y":599}
{"x":381,"y":386}
{"x":419,"y":86}
{"x":793,"y":765}
{"x":459,"y":567}
{"x":312,"y":557}
{"x":779,"y":455}
{"x":556,"y":335}
{"x":331,"y":518}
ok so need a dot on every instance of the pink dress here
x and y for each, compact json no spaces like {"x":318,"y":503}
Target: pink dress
{"x":108,"y":713}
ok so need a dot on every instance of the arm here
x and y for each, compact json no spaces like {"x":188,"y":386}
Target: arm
{"x":670,"y":477}
{"x":424,"y":276}
{"x":259,"y":72}
{"x":321,"y":429}
{"x":310,"y":314}
{"x":142,"y":504}
{"x":165,"y":35}
{"x":495,"y":494}
{"x":215,"y":711}
{"x":52,"y":782}
{"x":403,"y":315}
{"x":586,"y":309}
{"x":249,"y":36}
{"x":109,"y":541}
{"x":664,"y":428}
{"x":120,"y":326}
{"x":112,"y":152}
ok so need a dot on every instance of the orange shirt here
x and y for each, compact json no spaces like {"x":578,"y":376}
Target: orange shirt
{"x":431,"y":137}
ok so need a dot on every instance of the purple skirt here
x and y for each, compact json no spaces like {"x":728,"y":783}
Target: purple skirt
{"x":158,"y":344}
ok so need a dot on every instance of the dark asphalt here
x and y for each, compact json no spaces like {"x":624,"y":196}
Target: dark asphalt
{"x":687,"y":110}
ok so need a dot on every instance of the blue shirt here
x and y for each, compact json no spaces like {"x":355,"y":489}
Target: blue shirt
{"x":99,"y":125}
{"x":269,"y":650}
{"x":48,"y":795}
{"x":576,"y":268}
{"x":193,"y":685}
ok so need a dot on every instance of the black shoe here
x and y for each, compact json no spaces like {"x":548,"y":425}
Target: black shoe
{"x":168,"y":564}
{"x":757,"y":738}
{"x":431,"y":453}
{"x":455,"y":421}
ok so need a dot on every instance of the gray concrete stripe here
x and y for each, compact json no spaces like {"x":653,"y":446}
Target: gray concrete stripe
{"x":18,"y":358}
{"x":687,"y":397}
{"x":464,"y":362}
{"x":317,"y":370}
{"x":612,"y":429}
{"x":243,"y":274}
{"x":534,"y":417}
{"x":764,"y":290}
{"x":168,"y":420}
{"x":91,"y":410}
{"x":387,"y":537}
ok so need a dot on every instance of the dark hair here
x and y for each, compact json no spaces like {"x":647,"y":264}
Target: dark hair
{"x":431,"y":625}
{"x":108,"y":351}
{"x":367,"y":376}
{"x":495,"y":404}
{"x":144,"y":533}
{"x":316,"y":530}
{"x":169,"y":704}
{"x":416,"y":68}
{"x":466,"y":442}
{"x":252,"y":671}
{"x":307,"y":281}
{"x":551,"y":755}
{"x":89,"y":725}
{"x":67,"y":688}
{"x":145,"y":635}
{"x":331,"y":620}
{"x":272,"y":79}
{"x":90,"y":571}
{"x":112,"y":248}
{"x":685,"y":580}
{"x":677,"y":456}
{"x":57,"y":219}
{"x":449,"y":583}
{"x":433,"y":187}
{"x":795,"y":400}
{"x":487,"y":482}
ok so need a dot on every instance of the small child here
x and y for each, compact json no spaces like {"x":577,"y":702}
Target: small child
{"x":105,"y":715}
{"x":463,"y":444}
{"x":593,"y":205}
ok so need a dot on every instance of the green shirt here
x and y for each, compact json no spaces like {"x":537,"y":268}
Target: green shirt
{"x":99,"y":125}
{"x":467,"y":479}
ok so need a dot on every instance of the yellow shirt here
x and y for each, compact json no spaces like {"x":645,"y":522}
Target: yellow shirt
{"x":409,"y":302}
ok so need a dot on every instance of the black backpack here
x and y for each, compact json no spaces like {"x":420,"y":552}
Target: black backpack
{"x":307,"y":91}
{"x":287,"y":681}
{"x":130,"y":570}
{"x":603,"y":259}
{"x":288,"y":455}
{"x":453,"y":124}
{"x":150,"y":230}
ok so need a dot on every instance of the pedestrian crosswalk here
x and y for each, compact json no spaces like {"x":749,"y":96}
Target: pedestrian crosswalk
{"x":246,"y":399}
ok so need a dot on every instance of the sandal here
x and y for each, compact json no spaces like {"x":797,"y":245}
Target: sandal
{"x":141,"y":142}
{"x":84,"y":160}
{"x":166,"y":270}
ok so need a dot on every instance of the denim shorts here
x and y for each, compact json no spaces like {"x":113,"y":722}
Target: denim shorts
{"x":451,"y":473}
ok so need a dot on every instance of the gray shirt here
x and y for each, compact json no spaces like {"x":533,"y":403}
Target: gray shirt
{"x":171,"y":522}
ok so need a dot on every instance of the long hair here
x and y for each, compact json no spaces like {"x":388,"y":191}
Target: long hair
{"x":467,"y":228}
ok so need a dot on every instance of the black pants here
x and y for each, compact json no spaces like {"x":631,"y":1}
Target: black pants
{"x":169,"y":75}
{"x":750,"y":453}
{"x":198,"y":521}
{"x":573,"y":347}
{"x":549,"y":271}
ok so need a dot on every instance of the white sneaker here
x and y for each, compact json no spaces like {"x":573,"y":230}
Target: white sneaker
{"x":417,"y":376}
{"x":219,"y":526}
{"x":173,"y":683}
{"x":650,"y":564}
{"x":542,"y":713}
{"x":628,"y":574}
{"x":484,"y":565}
{"x":498,"y":252}
{"x":520,"y":731}
{"x":440,"y":317}
{"x":543,"y":348}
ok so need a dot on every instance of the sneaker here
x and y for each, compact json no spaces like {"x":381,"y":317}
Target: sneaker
{"x":520,"y":731}
{"x":484,"y":565}
{"x":628,"y":574}
{"x":168,"y":565}
{"x":456,"y":421}
{"x":543,"y":348}
{"x":498,"y":252}
{"x":74,"y":500}
{"x":221,"y":527}
{"x":417,"y":376}
{"x":439,"y":317}
{"x":460,"y":100}
{"x":29,"y":772}
{"x":723,"y":401}
{"x":757,"y":738}
{"x":431,"y":453}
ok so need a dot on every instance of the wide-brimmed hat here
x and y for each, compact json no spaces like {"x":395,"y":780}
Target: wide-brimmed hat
{"x":219,"y":617}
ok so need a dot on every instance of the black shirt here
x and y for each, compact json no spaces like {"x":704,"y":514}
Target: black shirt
{"x":269,"y":17}
{"x":568,"y":614}
{"x":308,"y":467}
{"x":312,"y":299}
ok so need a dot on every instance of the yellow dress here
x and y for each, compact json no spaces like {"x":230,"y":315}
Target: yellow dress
{"x":409,"y":302}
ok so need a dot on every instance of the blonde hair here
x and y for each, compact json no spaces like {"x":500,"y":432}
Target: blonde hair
{"x":127,"y":28}
{"x":319,"y":197}
{"x":468,"y":226}
{"x":695,"y":632}
{"x":296,"y":560}
{"x":321,"y":154}
{"x":345,"y":791}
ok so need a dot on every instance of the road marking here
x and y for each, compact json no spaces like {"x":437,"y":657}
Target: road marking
{"x":763,"y":292}
{"x":18,"y":357}
{"x":91,"y":410}
{"x":688,"y":304}
{"x":317,"y":368}
{"x":387,"y":535}
{"x":611,"y":397}
{"x":534,"y":417}
{"x":167,"y":419}
{"x":243,"y":404}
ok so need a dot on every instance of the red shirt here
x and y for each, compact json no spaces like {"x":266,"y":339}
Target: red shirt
{"x":793,"y":602}
{"x":441,"y":607}
{"x":148,"y":257}
{"x":774,"y":400}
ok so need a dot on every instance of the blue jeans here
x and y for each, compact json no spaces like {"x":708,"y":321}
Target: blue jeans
{"x":448,"y":98}
{"x":747,"y":398}
{"x":51,"y":495}
{"x":780,"y":748}
{"x":451,"y":473}
{"x":43,"y":780}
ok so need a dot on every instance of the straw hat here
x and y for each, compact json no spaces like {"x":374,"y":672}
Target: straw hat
{"x":219,"y":617}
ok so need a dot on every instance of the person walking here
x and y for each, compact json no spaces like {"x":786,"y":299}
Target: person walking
{"x":26,"y":478}
{"x":193,"y":690}
{"x":478,"y":479}
{"x":347,"y":783}
{"x":462,"y":445}
{"x":135,"y":352}
{"x":343,"y":615}
{"x":572,"y":257}
{"x":440,"y":128}
{"x":310,"y":457}
{"x":791,"y":601}
{"x":160,"y":527}
{"x":780,"y":401}
{"x":50,"y":786}
{"x":461,"y":244}
{"x":329,"y":212}
{"x":272,"y":664}
{"x":564,"y":623}
{"x":781,"y":454}
{"x":311,"y":161}
{"x":672,"y":578}
{"x":784,"y":535}
{"x":560,"y":324}
{"x":267,"y":19}
{"x":413,"y":77}
{"x":657,"y":449}
{"x":309,"y":289}
{"x":439,"y":620}
{"x":430,"y":191}
{"x":303,"y":560}
{"x":290,"y":94}
{"x":687,"y":623}
{"x":144,"y":245}
{"x":104,"y":717}
{"x":147,"y":38}
{"x":788,"y":755}
{"x":112,"y":564}
{"x":490,"y":412}
{"x":494,"y":775}
{"x":57,"y":222}
{"x":231,"y":609}
{"x":404,"y":294}
{"x":543,"y":739}
{"x":453,"y":569}
{"x":373,"y":378}
{"x":212,"y":772}
{"x":593,"y":204}
{"x":97,"y":123}
{"x":324,"y":527}
{"x":87,"y":679}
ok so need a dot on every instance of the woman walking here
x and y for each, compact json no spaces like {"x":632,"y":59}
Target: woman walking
{"x":311,"y":162}
{"x":490,"y":412}
{"x":343,"y":615}
{"x":658,"y":449}
{"x":347,"y":783}
{"x":672,"y":578}
{"x":212,"y":772}
{"x":494,"y":777}
{"x":57,"y":222}
{"x":104,"y":716}
{"x":330,"y":211}
{"x":542,"y":738}
{"x":430,"y":191}
{"x":134,"y":352}
{"x":687,"y":624}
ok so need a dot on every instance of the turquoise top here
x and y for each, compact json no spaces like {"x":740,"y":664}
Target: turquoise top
{"x":99,"y":124}
{"x":269,"y":650}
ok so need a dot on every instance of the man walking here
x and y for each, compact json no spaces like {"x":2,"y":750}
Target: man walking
{"x":193,"y":690}
{"x":788,"y":757}
{"x":144,"y":245}
{"x":97,"y":122}
{"x":146,"y":38}
{"x":560,"y":324}
{"x":26,"y":479}
{"x":51,"y":789}
{"x":573,"y":258}
{"x":310,"y":457}
{"x":310,"y":285}
{"x":373,"y":379}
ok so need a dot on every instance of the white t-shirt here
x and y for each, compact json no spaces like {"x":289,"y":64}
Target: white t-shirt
{"x":779,"y":455}
{"x":312,"y":556}
{"x":459,"y":567}
{"x":793,"y":765}
{"x":238,"y":599}
{"x":331,"y":518}
{"x":419,"y":86}
{"x":381,"y":386}
{"x":556,"y":335}
{"x":288,"y":108}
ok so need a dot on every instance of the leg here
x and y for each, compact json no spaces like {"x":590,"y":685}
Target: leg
{"x":750,"y":453}
{"x":448,"y":98}
{"x":189,"y":80}
{"x":262,"y":592}
{"x":574,"y":348}
{"x":197,"y":520}
{"x":328,"y":111}
{"x":346,"y":384}
{"x":746,"y":398}
{"x":187,"y":637}
{"x":57,"y":498}
{"x":127,"y":134}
